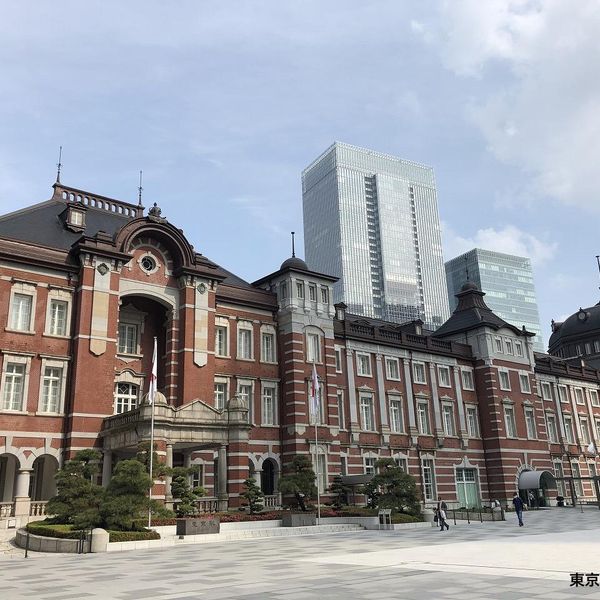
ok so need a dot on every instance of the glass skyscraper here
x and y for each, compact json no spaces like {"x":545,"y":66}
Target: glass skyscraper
{"x":507,"y":281}
{"x":372,"y":220}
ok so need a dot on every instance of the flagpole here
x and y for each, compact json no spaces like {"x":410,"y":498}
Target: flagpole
{"x":318,"y":478}
{"x":151,"y":398}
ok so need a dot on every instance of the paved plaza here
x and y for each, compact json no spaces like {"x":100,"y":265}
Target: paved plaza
{"x":472,"y":562}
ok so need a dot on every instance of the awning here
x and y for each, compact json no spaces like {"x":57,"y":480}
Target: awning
{"x":533,"y":480}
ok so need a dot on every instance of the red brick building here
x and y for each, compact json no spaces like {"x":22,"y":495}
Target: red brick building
{"x":87,"y":283}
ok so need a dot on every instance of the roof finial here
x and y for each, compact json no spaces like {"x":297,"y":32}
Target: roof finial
{"x":467,"y":267}
{"x":59,"y":165}
{"x":140,"y":188}
{"x":293,"y":248}
{"x":598,"y":261}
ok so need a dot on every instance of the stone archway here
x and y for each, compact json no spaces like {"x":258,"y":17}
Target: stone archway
{"x":9,"y":468}
{"x":42,"y":485}
{"x":268,"y":477}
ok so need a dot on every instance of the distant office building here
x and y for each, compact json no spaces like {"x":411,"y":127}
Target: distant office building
{"x":507,"y":281}
{"x":372,"y":220}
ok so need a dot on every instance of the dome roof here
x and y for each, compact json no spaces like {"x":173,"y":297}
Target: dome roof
{"x":580,"y":324}
{"x":469,"y":285}
{"x":294,"y":263}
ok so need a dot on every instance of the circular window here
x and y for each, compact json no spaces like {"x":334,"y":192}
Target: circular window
{"x":148,"y":263}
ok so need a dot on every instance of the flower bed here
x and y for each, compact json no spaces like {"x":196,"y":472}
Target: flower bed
{"x":226,"y":517}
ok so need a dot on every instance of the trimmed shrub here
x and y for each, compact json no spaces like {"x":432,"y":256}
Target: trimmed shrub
{"x":133,"y":536}
{"x":45,"y":529}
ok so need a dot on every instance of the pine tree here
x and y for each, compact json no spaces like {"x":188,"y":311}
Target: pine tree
{"x":254,"y":495}
{"x":183,"y":491}
{"x":299,"y":480}
{"x":340,"y":492}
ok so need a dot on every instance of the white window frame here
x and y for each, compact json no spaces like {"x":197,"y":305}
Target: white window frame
{"x":510,"y":422}
{"x":369,"y":465}
{"x":367,"y":411}
{"x":312,"y":292}
{"x":585,"y":430}
{"x":324,"y":295}
{"x":341,"y":409}
{"x":338,"y":359}
{"x":268,"y":395}
{"x":524,"y":379}
{"x":579,"y":396}
{"x":245,"y":331}
{"x":530,"y":425}
{"x":129,"y":316}
{"x":508,"y":345}
{"x":505,"y":387}
{"x":563,"y":394}
{"x":222,"y":325}
{"x":25,"y":362}
{"x":472,"y":417}
{"x":519,"y":348}
{"x":429,"y":483}
{"x":546,"y":390}
{"x":21,"y":288}
{"x":423,"y":420}
{"x":448,"y":419}
{"x":551,"y":428}
{"x":498,"y":345}
{"x":467,"y":385}
{"x":247,"y":383}
{"x":313,"y":347}
{"x":389,"y":361}
{"x":268,"y":331}
{"x":54,"y":296}
{"x":396,"y":413}
{"x":363,"y":364}
{"x":420,"y":364}
{"x":130,"y":400}
{"x":320,"y":469}
{"x":576,"y":472}
{"x":221,"y":387}
{"x":444,"y":369}
{"x":61,"y":365}
{"x":569,"y":430}
{"x":595,"y":401}
{"x":300,"y":289}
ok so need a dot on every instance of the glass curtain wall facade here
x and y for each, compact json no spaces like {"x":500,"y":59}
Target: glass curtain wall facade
{"x":372,"y":220}
{"x":507,"y":281}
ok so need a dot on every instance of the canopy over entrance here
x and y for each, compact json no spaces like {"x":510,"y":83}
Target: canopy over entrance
{"x":530,"y":480}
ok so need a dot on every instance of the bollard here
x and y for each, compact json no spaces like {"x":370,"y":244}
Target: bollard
{"x":27,"y":544}
{"x":454,"y":514}
{"x":480,"y":515}
{"x":468,"y":519}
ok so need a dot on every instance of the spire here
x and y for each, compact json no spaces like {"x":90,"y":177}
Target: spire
{"x":59,"y":165}
{"x":140,"y":189}
{"x":598,"y":261}
{"x":293,"y":247}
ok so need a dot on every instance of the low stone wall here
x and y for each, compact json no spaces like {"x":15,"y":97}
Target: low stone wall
{"x":39,"y":543}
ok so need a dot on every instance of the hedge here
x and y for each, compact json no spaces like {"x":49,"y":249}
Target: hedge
{"x":133,"y":536}
{"x":53,"y":530}
{"x":226,"y":517}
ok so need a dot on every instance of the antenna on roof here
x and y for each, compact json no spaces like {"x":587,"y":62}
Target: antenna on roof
{"x":293,"y":248}
{"x":467,"y":268}
{"x":140,"y":189}
{"x":598,"y":261}
{"x":59,"y":165}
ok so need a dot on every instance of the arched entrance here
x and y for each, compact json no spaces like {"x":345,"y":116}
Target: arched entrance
{"x":268,"y":477}
{"x":534,"y":486}
{"x":42,"y":485}
{"x":9,"y":466}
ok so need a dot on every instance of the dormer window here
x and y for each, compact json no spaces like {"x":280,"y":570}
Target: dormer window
{"x":76,"y":218}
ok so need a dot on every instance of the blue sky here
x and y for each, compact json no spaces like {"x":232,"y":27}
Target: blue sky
{"x":222,"y":104}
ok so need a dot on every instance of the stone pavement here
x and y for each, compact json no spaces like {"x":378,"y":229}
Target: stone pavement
{"x":478,"y":561}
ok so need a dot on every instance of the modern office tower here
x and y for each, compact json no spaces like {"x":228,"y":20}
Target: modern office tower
{"x":372,"y":220}
{"x":507,"y":281}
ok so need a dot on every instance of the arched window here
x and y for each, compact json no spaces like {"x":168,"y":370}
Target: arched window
{"x":126,"y":397}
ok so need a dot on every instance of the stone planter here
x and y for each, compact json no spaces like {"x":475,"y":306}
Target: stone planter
{"x":299,"y":519}
{"x":197,"y":526}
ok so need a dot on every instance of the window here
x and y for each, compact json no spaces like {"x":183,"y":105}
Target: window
{"x":577,"y":478}
{"x":551,"y":427}
{"x":448,"y":418}
{"x":363,"y":364}
{"x":530,"y":423}
{"x":562,"y":394}
{"x":128,"y":338}
{"x":52,"y":384}
{"x":312,"y":292}
{"x":338,"y":360}
{"x":423,"y":418}
{"x":396,"y":421}
{"x":197,"y":477}
{"x":283,"y":290}
{"x":267,"y":347}
{"x":20,"y":312}
{"x":268,"y":405}
{"x":220,"y":394}
{"x":244,"y":390}
{"x":367,"y":412}
{"x":300,"y":289}
{"x":509,"y":421}
{"x":324,"y":295}
{"x":596,"y":346}
{"x":370,"y":465}
{"x":579,"y":395}
{"x":57,"y":323}
{"x":504,"y":380}
{"x":222,"y":337}
{"x":343,"y":465}
{"x":392,"y":368}
{"x":560,"y":484}
{"x":518,"y":348}
{"x":569,"y":435}
{"x":419,"y":372}
{"x":341,"y":412}
{"x":472,"y":422}
{"x":320,"y":469}
{"x":546,"y":390}
{"x":428,"y":479}
{"x":466,"y":488}
{"x":594,"y":397}
{"x":444,"y":376}
{"x":509,"y":346}
{"x":401,"y":463}
{"x":313,"y":348}
{"x":467,"y":379}
{"x":585,"y":431}
{"x":126,"y":397}
{"x":13,"y":386}
{"x":524,"y":382}
{"x":498,"y":342}
{"x":75,"y":218}
{"x":244,"y":350}
{"x":598,"y":430}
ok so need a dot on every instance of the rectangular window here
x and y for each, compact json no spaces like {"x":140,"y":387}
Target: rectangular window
{"x":504,"y":380}
{"x":467,"y":379}
{"x":419,"y":372}
{"x":396,"y":421}
{"x":569,"y":435}
{"x":268,"y":406}
{"x":126,"y":397}
{"x":585,"y":431}
{"x":423,"y":418}
{"x":560,"y":484}
{"x":267,"y":347}
{"x":530,"y":423}
{"x":51,"y":389}
{"x":546,"y":390}
{"x":594,"y":397}
{"x":598,"y":430}
{"x":338,"y":360}
{"x":245,"y":393}
{"x":313,"y":348}
{"x":562,"y":394}
{"x":518,"y":348}
{"x":428,"y":479}
{"x":244,"y":343}
{"x":367,"y":412}
{"x":509,"y":346}
{"x":444,"y":376}
{"x":58,"y":317}
{"x":370,"y":465}
{"x":312,"y":292}
{"x":402,"y":464}
{"x":524,"y":382}
{"x":509,"y":422}
{"x":392,"y":368}
{"x":343,"y":465}
{"x":128,"y":338}
{"x":498,"y":342}
{"x":363,"y":364}
{"x":472,"y":422}
{"x":221,"y":340}
{"x":283,"y":290}
{"x":324,"y":295}
{"x":341,"y":412}
{"x":20,"y":312}
{"x":300,"y":289}
{"x":220,"y":395}
{"x":551,"y":426}
{"x":579,"y":399}
{"x":448,"y":418}
{"x":321,"y":471}
{"x":577,"y":478}
{"x":14,"y":385}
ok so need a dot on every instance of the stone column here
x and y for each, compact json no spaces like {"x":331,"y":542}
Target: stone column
{"x":385,"y":425}
{"x":168,"y":478}
{"x":106,"y":467}
{"x":460,"y":405}
{"x":354,"y":424}
{"x":222,"y":475}
{"x":22,"y":499}
{"x":437,"y":415}
{"x":559,"y":414}
{"x":410,"y":402}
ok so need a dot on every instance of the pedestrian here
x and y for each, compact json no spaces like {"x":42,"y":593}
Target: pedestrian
{"x":442,"y":519}
{"x":441,"y":505}
{"x":518,"y":503}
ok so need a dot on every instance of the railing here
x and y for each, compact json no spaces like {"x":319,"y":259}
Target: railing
{"x":37,"y":509}
{"x":272,"y":501}
{"x":208,"y":505}
{"x":7,"y":509}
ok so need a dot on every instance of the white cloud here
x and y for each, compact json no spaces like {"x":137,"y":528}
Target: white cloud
{"x":509,"y":239}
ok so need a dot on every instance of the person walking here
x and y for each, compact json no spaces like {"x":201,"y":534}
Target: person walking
{"x":442,"y":509}
{"x":518,"y":504}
